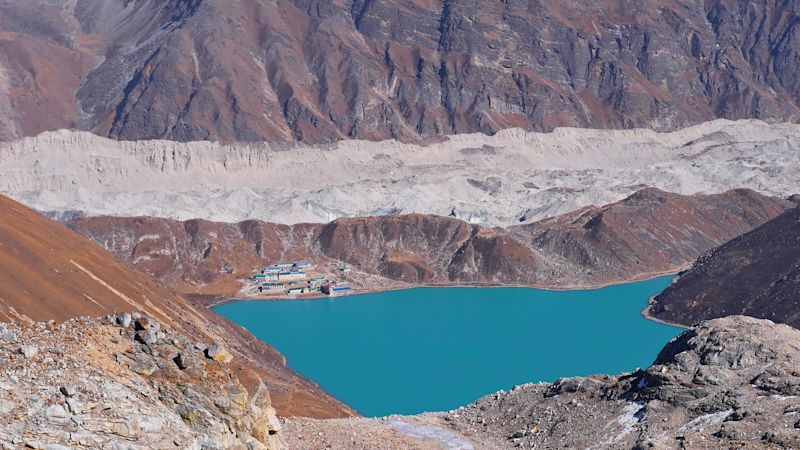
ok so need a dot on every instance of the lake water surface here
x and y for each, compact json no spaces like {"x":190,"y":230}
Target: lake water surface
{"x":431,"y":349}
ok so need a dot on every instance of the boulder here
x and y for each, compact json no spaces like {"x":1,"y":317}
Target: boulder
{"x":68,"y":391}
{"x":55,"y":412}
{"x":124,"y":320}
{"x":181,"y":361}
{"x":143,"y":323}
{"x":147,"y":336}
{"x":218,"y":353}
{"x":28,"y":351}
{"x":73,"y":405}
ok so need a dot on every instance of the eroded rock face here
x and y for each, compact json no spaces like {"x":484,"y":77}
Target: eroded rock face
{"x":94,"y":385}
{"x":319,"y":71}
{"x":427,"y":249}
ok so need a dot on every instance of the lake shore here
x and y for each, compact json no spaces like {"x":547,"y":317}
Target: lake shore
{"x":646,"y":314}
{"x":214,"y":301}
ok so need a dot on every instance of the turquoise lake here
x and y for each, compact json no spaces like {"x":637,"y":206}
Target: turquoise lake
{"x":432,"y":349}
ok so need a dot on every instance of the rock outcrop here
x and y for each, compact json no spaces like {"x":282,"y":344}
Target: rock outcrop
{"x":320,"y":71}
{"x":648,"y":233}
{"x":725,"y":383}
{"x":757,"y":274}
{"x":94,"y":385}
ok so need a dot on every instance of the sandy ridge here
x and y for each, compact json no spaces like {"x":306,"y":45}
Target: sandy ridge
{"x":499,"y":180}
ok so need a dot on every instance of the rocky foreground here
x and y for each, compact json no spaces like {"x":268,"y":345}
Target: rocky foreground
{"x":727,"y":383}
{"x":124,"y":382}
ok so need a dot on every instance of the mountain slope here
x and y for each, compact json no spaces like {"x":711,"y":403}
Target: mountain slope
{"x":48,"y":272}
{"x":650,"y":232}
{"x":319,"y":71}
{"x":757,"y":274}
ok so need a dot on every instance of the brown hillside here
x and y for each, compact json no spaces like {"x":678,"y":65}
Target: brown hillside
{"x":49,"y":272}
{"x":648,"y":233}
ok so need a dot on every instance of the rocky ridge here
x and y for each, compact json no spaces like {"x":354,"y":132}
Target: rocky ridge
{"x":125,"y":381}
{"x":726,"y":383}
{"x":648,"y":233}
{"x":757,"y":274}
{"x":314,"y":71}
{"x":510,"y":178}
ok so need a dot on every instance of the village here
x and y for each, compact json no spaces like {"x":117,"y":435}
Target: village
{"x":298,"y":278}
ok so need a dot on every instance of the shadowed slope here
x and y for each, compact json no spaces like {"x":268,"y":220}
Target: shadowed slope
{"x":757,"y":274}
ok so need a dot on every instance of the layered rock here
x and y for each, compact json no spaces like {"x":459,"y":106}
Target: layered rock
{"x":320,"y":71}
{"x":650,"y":232}
{"x":757,"y":274}
{"x":95,"y":384}
{"x":428,"y":249}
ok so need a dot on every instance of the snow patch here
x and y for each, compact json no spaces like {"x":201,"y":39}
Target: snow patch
{"x":448,"y":440}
